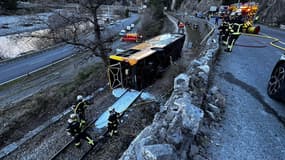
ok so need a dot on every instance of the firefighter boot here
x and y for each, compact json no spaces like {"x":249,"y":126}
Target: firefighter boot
{"x":111,"y":133}
{"x":77,"y":145}
{"x":227,"y":50}
{"x":90,"y":141}
{"x":116,"y":133}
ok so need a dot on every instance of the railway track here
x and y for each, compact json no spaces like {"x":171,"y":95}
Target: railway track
{"x":69,"y":150}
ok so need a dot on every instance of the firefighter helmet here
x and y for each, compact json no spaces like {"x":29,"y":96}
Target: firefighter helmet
{"x":79,"y":98}
{"x":112,"y":110}
{"x":70,"y":120}
{"x":73,"y":116}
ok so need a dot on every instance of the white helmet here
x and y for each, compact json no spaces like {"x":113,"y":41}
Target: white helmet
{"x":73,"y":116}
{"x":112,"y":110}
{"x":70,"y":120}
{"x":79,"y":98}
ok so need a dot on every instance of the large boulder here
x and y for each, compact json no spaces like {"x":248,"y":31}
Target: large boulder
{"x":159,"y":152}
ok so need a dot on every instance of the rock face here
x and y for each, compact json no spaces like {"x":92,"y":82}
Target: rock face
{"x":195,"y":6}
{"x":159,"y":152}
{"x":172,"y":132}
{"x":173,"y":128}
{"x":272,"y":11}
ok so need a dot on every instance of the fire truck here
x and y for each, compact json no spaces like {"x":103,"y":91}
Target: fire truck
{"x":132,"y":37}
{"x":248,"y":12}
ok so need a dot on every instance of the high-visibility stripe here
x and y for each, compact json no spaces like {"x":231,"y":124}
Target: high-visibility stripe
{"x":231,"y":45}
{"x":90,"y":141}
{"x":236,"y":33}
{"x":118,"y":58}
{"x":77,"y":106}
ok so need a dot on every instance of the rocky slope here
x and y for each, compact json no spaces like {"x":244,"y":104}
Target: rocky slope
{"x":272,"y":11}
{"x":193,"y":6}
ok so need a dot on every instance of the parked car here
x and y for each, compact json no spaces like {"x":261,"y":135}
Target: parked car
{"x":276,"y":84}
{"x":122,"y":32}
{"x":101,"y":28}
{"x":200,"y":15}
{"x":128,"y":28}
{"x":112,"y":22}
{"x":132,"y":25}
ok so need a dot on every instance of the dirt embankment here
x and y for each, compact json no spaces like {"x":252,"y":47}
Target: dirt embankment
{"x":21,"y":117}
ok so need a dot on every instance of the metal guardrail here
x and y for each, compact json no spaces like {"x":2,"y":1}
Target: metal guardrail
{"x":210,"y":33}
{"x":209,"y":24}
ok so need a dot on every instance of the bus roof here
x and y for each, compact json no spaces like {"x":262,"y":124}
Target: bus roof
{"x":159,"y":41}
{"x":144,"y":49}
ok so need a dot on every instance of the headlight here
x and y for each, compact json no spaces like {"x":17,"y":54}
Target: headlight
{"x":282,"y":57}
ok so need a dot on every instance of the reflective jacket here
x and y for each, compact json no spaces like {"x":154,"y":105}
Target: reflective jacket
{"x":237,"y":28}
{"x":80,"y":107}
{"x":114,"y":119}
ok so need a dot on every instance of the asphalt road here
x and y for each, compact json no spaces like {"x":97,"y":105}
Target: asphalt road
{"x":22,"y":66}
{"x":254,"y":125}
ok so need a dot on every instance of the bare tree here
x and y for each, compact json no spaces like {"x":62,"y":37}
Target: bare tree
{"x":79,"y":26}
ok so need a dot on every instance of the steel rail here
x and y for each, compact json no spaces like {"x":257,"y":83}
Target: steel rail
{"x":98,"y":143}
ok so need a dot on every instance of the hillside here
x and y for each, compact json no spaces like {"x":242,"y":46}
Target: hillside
{"x":272,"y":11}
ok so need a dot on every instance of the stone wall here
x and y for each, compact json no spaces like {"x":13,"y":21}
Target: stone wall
{"x":172,"y":132}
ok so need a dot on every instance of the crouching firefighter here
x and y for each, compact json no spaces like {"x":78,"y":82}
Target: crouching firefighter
{"x":79,"y":109}
{"x":234,"y":34}
{"x":77,"y":132}
{"x":113,"y":122}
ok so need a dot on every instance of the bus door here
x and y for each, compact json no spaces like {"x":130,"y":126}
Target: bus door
{"x":115,"y":75}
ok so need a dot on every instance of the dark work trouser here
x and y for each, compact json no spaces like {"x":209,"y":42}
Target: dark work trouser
{"x":83,"y":135}
{"x":112,"y":128}
{"x":232,"y":39}
{"x":225,"y":38}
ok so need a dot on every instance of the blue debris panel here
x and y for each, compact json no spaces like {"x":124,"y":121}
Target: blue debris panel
{"x":120,"y":106}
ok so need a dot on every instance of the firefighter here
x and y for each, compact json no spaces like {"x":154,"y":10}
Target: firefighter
{"x":75,"y":129}
{"x":216,"y":20}
{"x":222,"y":29}
{"x":224,"y":32}
{"x":113,"y":122}
{"x":79,"y":108}
{"x":234,"y":31}
{"x":181,"y":26}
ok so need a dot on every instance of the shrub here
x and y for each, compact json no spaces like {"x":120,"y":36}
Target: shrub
{"x":9,"y":4}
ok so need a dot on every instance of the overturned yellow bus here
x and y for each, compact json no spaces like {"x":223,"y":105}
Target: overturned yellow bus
{"x":140,"y":65}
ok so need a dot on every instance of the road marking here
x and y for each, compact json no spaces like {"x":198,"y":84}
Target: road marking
{"x":36,"y":70}
{"x":275,"y":40}
{"x":282,"y":42}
